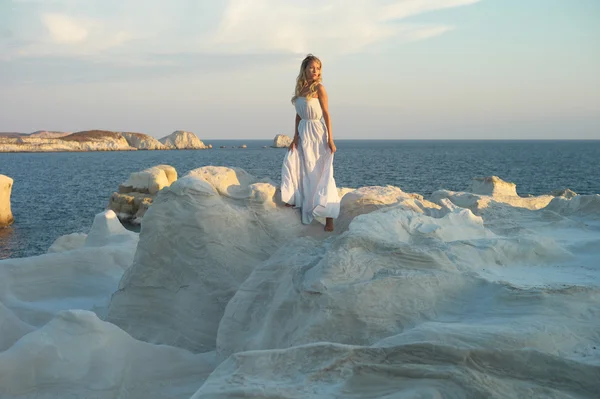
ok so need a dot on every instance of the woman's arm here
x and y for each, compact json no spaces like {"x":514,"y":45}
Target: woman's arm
{"x":325,"y":107}
{"x":296,"y":135}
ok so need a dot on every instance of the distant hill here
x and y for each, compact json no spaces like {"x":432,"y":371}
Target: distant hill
{"x":92,"y":135}
{"x":48,"y":134}
{"x":39,"y":133}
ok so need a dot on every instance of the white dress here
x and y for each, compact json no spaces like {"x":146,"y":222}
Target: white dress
{"x":307,"y":173}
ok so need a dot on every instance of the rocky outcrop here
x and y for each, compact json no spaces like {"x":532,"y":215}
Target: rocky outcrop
{"x":93,"y":140}
{"x":96,"y":140}
{"x":282,"y":141}
{"x":6,"y":216}
{"x":494,"y":186}
{"x":491,"y":191}
{"x":182,"y":140}
{"x":565,"y":192}
{"x":405,"y":299}
{"x":137,"y":193}
{"x":143,"y":141}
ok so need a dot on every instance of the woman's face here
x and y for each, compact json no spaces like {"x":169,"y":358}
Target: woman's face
{"x":312,"y":71}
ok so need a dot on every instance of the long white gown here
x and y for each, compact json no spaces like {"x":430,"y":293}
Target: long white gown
{"x":307,"y":173}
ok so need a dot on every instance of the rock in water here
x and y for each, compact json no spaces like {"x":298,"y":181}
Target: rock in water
{"x":282,"y":141}
{"x":182,"y":140}
{"x":136,"y":194}
{"x":6,"y":216}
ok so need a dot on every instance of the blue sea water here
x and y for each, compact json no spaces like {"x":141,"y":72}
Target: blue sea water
{"x":59,"y":193}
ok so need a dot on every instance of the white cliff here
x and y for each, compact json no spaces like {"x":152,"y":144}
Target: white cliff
{"x":81,"y":141}
{"x":6,"y":216}
{"x":97,"y":140}
{"x":143,"y":141}
{"x":282,"y":141}
{"x":182,"y":140}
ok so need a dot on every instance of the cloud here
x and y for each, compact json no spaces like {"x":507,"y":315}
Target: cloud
{"x":131,"y":31}
{"x":335,"y":26}
{"x":64,"y":29}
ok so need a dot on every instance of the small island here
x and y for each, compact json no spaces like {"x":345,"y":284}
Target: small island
{"x":97,"y":140}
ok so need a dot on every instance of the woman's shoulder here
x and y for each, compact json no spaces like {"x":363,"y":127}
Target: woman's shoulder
{"x":321,"y":92}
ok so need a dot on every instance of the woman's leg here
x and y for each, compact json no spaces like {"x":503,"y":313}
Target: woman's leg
{"x":328,"y":224}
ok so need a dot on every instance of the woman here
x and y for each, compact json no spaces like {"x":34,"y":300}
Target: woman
{"x":307,"y":173}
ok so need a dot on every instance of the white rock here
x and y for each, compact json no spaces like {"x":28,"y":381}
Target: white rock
{"x":182,"y":140}
{"x":491,"y":192}
{"x":143,"y":141}
{"x":585,"y":206}
{"x":107,"y":230}
{"x":416,"y":370}
{"x":201,"y":239}
{"x":107,"y":141}
{"x":35,"y":289}
{"x":137,"y":193}
{"x":314,"y":291}
{"x":406,"y":299}
{"x":11,"y":328}
{"x":150,"y":180}
{"x":282,"y":141}
{"x":80,"y":141}
{"x":170,"y":172}
{"x":493,"y":186}
{"x":76,"y":355}
{"x":6,"y":216}
{"x":567,"y":193}
{"x":68,"y":242}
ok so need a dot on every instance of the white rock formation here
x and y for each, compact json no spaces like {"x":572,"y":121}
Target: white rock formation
{"x":6,"y":216}
{"x":586,"y":207}
{"x":493,"y":186}
{"x":150,"y":180}
{"x":491,"y":191}
{"x":566,"y":193}
{"x":35,"y":144}
{"x":48,"y":350}
{"x":282,"y":141}
{"x":136,"y":194}
{"x":204,"y":211}
{"x":96,"y":141}
{"x":182,"y":140}
{"x":83,"y":278}
{"x":77,"y":355}
{"x":68,"y":242}
{"x":408,"y":298}
{"x":143,"y":141}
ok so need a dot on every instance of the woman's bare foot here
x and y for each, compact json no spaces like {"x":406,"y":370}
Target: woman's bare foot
{"x":328,"y":224}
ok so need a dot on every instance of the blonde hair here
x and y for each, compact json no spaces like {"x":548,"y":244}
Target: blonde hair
{"x":301,"y":80}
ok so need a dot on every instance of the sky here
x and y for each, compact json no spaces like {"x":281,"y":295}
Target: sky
{"x":226,"y":69}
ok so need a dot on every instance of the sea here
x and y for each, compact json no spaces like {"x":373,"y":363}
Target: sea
{"x":59,"y":193}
